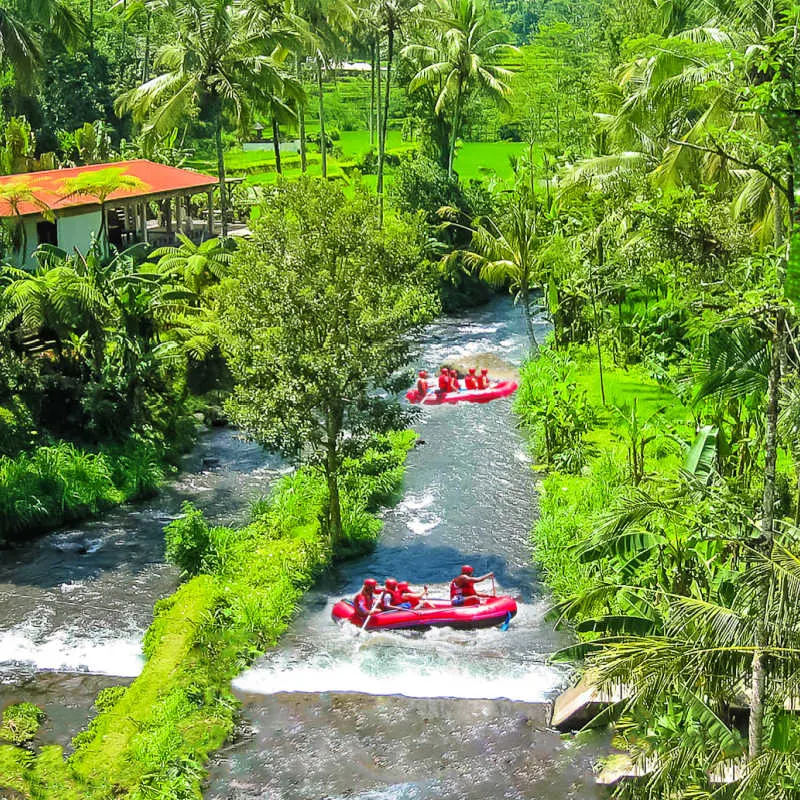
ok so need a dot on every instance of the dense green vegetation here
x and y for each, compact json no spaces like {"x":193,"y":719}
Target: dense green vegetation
{"x":153,"y":738}
{"x":626,"y":169}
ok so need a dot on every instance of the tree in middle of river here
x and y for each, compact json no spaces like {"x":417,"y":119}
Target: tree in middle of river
{"x":320,"y":320}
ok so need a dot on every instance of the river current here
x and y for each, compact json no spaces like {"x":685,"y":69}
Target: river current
{"x":329,"y":713}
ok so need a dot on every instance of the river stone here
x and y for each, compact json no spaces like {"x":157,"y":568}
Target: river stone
{"x":499,"y":368}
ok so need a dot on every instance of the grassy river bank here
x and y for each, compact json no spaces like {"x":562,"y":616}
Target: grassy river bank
{"x":152,"y":739}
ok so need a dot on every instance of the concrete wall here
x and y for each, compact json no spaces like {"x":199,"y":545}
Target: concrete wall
{"x":33,"y":241}
{"x":76,"y":231}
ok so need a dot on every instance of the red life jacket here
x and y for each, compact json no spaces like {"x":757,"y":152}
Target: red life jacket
{"x":422,"y":386}
{"x":363,"y":604}
{"x":471,"y":382}
{"x":483,"y":382}
{"x":454,"y":385}
{"x":456,"y":591}
{"x":444,"y":383}
{"x":391,"y":597}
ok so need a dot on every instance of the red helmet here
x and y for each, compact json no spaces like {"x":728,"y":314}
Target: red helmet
{"x":484,"y":371}
{"x":370,"y":583}
{"x":467,"y":570}
{"x":423,"y":374}
{"x":390,"y":583}
{"x":403,"y":586}
{"x":472,"y":370}
{"x":444,"y":370}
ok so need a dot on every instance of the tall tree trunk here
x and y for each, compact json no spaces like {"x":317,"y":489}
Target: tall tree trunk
{"x":146,"y":62}
{"x":758,"y":683}
{"x":301,"y":122}
{"x":276,"y":144}
{"x":333,"y":426}
{"x":385,"y":121}
{"x":454,"y":133}
{"x":323,"y":143}
{"x":600,"y":262}
{"x":372,"y":93}
{"x":91,"y":26}
{"x":525,"y":296}
{"x":223,"y":192}
{"x":378,"y":79}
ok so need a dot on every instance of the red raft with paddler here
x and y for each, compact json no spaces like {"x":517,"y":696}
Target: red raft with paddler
{"x":394,"y":606}
{"x":476,"y":388}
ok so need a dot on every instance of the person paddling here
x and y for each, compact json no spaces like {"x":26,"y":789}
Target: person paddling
{"x":471,"y":379}
{"x":392,"y":597}
{"x":462,"y":587}
{"x":422,"y":384}
{"x":412,"y":599}
{"x":364,"y":601}
{"x":483,"y":379}
{"x":454,"y":384}
{"x":444,"y":381}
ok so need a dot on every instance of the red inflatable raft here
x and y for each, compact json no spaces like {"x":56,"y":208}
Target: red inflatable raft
{"x":434,"y":398}
{"x":491,"y":611}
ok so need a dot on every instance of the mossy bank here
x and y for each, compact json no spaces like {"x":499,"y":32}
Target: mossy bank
{"x":152,"y":739}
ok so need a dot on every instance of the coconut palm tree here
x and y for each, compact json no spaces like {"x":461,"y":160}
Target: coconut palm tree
{"x":220,"y":63}
{"x":462,"y":61}
{"x":325,"y":21}
{"x":506,"y":251}
{"x":392,"y":15}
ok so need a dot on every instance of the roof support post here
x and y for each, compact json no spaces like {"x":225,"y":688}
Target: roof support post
{"x":210,"y":213}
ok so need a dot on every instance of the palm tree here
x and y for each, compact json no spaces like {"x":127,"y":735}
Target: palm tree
{"x":286,"y":107}
{"x":101,"y":184}
{"x":16,"y":192}
{"x":462,"y":61}
{"x":326,"y":21}
{"x":219,"y":63}
{"x":197,"y":266}
{"x":132,"y":10}
{"x":392,"y":15}
{"x":506,"y":252}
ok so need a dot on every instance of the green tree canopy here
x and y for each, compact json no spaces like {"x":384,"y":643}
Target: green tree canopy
{"x":320,"y":317}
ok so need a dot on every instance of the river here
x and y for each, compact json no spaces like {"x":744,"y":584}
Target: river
{"x":328,"y":713}
{"x":443,"y":714}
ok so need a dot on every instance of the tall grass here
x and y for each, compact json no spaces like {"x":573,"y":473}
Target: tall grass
{"x":59,"y":483}
{"x":52,"y":485}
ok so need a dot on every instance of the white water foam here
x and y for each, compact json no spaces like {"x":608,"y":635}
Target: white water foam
{"x":423,"y":523}
{"x":532,"y":684}
{"x":72,"y":652}
{"x":479,"y":329}
{"x":420,"y":526}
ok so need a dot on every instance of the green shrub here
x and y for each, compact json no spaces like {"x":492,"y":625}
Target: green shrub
{"x":555,"y":409}
{"x":52,"y":485}
{"x":20,"y":723}
{"x":107,"y":698}
{"x":188,"y":540}
{"x":17,"y":429}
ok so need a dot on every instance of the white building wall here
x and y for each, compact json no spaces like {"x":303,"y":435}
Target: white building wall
{"x":76,"y":230}
{"x":33,"y":240}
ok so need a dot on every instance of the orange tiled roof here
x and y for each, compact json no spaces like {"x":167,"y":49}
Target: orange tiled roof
{"x":48,"y":185}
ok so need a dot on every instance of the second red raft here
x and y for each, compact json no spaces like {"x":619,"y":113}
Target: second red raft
{"x":491,"y":611}
{"x":495,"y":391}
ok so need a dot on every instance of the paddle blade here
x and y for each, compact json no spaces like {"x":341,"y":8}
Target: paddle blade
{"x":504,"y":626}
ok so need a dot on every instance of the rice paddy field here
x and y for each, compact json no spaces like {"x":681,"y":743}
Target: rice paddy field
{"x":347,"y":106}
